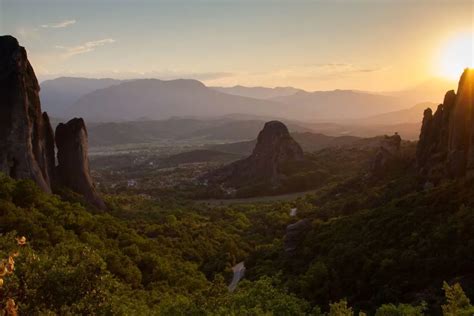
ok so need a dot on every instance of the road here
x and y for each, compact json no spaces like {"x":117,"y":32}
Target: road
{"x":239,"y":272}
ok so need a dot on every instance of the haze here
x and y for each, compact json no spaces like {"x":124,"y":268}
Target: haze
{"x":313,"y":45}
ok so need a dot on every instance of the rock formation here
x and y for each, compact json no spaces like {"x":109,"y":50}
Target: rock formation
{"x":295,"y":234}
{"x":388,"y":152}
{"x":27,"y":141}
{"x":275,"y":148}
{"x":73,"y":163}
{"x":446,"y":145}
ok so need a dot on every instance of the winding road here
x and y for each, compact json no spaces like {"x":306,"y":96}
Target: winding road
{"x":239,"y":272}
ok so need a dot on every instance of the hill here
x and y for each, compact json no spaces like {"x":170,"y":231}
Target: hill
{"x":258,"y":92}
{"x":179,"y":129}
{"x":57,"y":95}
{"x":339,"y":104}
{"x":431,"y":90}
{"x":411,"y":115}
{"x":155,"y":99}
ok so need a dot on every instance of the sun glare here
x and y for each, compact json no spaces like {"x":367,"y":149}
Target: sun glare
{"x":456,"y":55}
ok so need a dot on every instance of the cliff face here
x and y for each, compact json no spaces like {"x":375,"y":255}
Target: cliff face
{"x":27,"y":141}
{"x":446,"y":145}
{"x":275,"y":147}
{"x":73,"y":162}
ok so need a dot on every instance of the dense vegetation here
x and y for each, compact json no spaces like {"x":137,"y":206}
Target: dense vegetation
{"x":381,"y":246}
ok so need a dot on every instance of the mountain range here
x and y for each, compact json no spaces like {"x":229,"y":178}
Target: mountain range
{"x":258,"y":92}
{"x":60,"y":93}
{"x":110,"y":100}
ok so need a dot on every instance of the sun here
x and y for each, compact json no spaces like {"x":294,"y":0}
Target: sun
{"x":456,"y":55}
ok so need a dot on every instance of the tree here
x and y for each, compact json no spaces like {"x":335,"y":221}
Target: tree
{"x":340,"y":309}
{"x":458,"y":303}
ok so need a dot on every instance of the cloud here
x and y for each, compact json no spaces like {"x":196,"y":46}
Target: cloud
{"x":313,"y":76}
{"x":328,"y":70}
{"x":59,"y":25}
{"x":87,"y":47}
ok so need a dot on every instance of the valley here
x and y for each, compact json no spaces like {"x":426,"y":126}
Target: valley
{"x":236,"y":158}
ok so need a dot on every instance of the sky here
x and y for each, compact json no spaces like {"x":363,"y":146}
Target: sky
{"x":376,"y":45}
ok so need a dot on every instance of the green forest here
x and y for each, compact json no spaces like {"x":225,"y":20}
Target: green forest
{"x":379,"y":246}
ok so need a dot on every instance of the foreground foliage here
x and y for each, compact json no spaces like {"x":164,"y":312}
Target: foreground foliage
{"x":174,"y":258}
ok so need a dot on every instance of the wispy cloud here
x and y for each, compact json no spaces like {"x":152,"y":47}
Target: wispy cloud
{"x":59,"y":25}
{"x":87,"y":47}
{"x":328,"y":75}
{"x":347,"y":68}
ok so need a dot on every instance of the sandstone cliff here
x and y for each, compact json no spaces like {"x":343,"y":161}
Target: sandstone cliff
{"x":27,"y":141}
{"x":26,"y":144}
{"x":446,"y":145}
{"x":275,"y":148}
{"x":73,"y":162}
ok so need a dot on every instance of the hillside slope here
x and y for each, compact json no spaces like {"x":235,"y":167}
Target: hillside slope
{"x":154,"y":99}
{"x":57,"y":95}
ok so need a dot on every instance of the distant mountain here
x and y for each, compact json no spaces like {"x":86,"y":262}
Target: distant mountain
{"x":258,"y":92}
{"x":153,"y":99}
{"x":408,"y":131}
{"x":158,"y":99}
{"x":431,"y":90}
{"x":59,"y":94}
{"x":411,"y":115}
{"x":339,"y":104}
{"x":315,"y":141}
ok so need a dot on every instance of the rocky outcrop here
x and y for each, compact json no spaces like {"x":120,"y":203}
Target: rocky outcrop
{"x":295,"y":234}
{"x":274,"y":150}
{"x":73,"y":162}
{"x":27,"y":141}
{"x":446,"y":145}
{"x":387,"y":153}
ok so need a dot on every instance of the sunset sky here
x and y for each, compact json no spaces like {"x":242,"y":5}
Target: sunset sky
{"x":367,"y":45}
